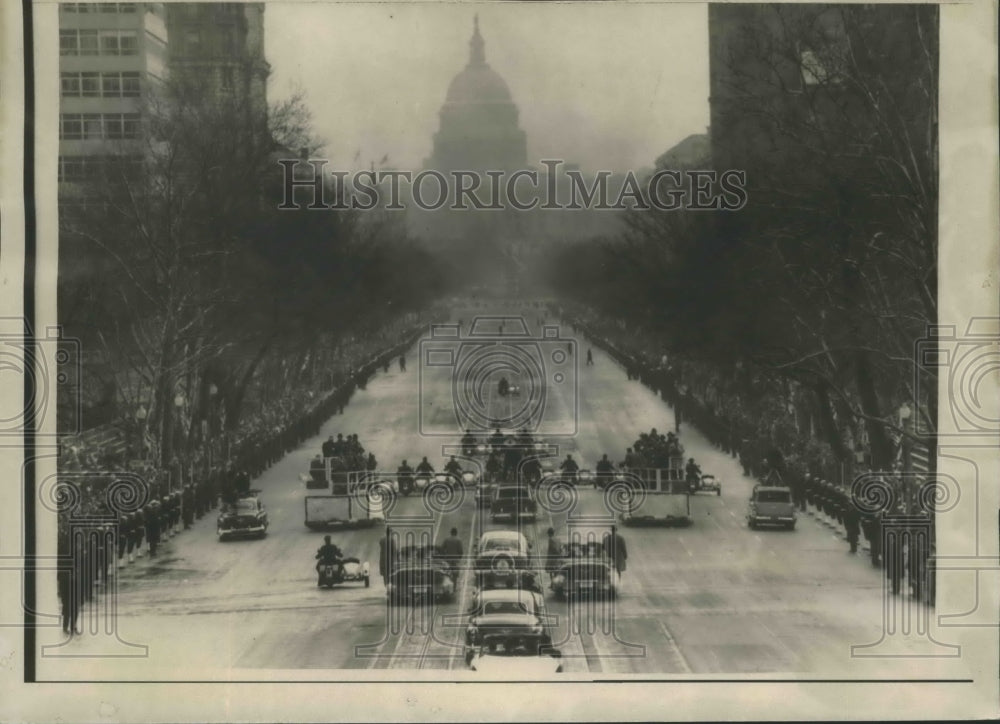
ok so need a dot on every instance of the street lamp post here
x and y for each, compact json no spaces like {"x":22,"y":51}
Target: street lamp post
{"x":178,"y":405}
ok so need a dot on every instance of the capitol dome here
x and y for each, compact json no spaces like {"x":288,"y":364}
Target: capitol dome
{"x":479,"y":121}
{"x":478,"y":84}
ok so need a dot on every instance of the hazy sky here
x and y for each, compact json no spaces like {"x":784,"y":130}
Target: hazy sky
{"x":604,"y":85}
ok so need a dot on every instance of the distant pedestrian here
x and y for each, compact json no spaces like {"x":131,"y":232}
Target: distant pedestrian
{"x":590,"y":357}
{"x":452,"y":550}
{"x":852,"y":525}
{"x":615,"y":547}
{"x":402,"y":363}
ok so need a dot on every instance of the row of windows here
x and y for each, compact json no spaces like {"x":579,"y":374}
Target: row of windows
{"x":98,"y":126}
{"x":98,"y":42}
{"x":83,"y":168}
{"x":100,"y":85}
{"x":98,"y":7}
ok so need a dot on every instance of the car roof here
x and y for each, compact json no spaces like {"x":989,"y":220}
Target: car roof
{"x":771,"y":488}
{"x":506,"y":594}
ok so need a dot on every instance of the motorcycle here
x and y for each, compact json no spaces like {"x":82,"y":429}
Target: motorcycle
{"x":348,"y":569}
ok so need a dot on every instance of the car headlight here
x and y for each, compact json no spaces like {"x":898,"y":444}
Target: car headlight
{"x":389,"y":588}
{"x":558,"y":578}
{"x":448,"y":585}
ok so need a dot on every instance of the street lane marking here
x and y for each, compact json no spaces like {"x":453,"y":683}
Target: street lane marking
{"x":675,"y":647}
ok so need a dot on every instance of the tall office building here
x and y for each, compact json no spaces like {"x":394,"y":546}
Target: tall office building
{"x":110,"y":54}
{"x":222,"y":46}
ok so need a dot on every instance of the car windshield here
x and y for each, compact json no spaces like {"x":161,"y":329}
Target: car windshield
{"x":499,"y":607}
{"x":773,"y":496}
{"x":501,"y":544}
{"x":511,"y":493}
{"x":246,"y":506}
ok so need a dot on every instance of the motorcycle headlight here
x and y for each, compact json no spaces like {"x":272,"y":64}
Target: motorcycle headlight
{"x":389,"y":588}
{"x":448,"y":585}
{"x":468,"y":477}
{"x":558,"y":578}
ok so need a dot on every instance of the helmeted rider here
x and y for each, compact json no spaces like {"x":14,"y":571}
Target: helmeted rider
{"x":570,"y":467}
{"x":468,"y":442}
{"x":503,"y":387}
{"x":692,"y":472}
{"x":605,"y":469}
{"x":425,"y":468}
{"x":328,"y":553}
{"x":453,"y":467}
{"x":404,"y":476}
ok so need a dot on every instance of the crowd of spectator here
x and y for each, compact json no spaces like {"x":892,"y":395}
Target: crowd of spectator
{"x":750,"y":420}
{"x":113,"y":511}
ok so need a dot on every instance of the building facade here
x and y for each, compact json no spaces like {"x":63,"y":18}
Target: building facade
{"x":110,"y":56}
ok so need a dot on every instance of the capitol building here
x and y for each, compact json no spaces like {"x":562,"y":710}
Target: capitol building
{"x":479,"y":131}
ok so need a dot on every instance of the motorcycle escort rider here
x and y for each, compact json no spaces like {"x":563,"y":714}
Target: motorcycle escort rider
{"x":468,"y":443}
{"x":503,"y":387}
{"x":570,"y":468}
{"x":497,"y":439}
{"x":605,"y":470}
{"x":425,"y":468}
{"x":692,"y":473}
{"x":453,"y":468}
{"x":327,"y":554}
{"x":404,"y":476}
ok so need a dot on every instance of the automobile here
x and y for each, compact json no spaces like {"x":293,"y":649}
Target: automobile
{"x":586,"y":571}
{"x":509,"y":612}
{"x":418,"y":577}
{"x":502,"y":550}
{"x":706,"y":484}
{"x":771,"y":505}
{"x":514,"y":502}
{"x":244,"y":517}
{"x":519,"y":656}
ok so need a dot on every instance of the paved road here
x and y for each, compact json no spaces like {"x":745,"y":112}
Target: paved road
{"x":713,"y":598}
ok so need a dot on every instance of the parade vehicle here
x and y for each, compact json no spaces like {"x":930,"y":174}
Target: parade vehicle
{"x":586,"y":570}
{"x":418,"y":575}
{"x":348,"y":569}
{"x":360,"y":502}
{"x":519,"y":656}
{"x":705,"y":484}
{"x":771,"y":505}
{"x":514,"y":502}
{"x":244,"y":517}
{"x":502,"y":551}
{"x":651,"y":496}
{"x":508,"y":612}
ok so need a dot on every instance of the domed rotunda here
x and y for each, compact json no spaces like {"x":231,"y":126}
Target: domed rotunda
{"x":479,"y":121}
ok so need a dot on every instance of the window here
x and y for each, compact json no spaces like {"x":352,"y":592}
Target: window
{"x":88,"y":42}
{"x":92,"y":126}
{"x":90,"y":85}
{"x":113,"y":126}
{"x":227,"y":80}
{"x":70,"y":84}
{"x":129,"y":44}
{"x":130,"y":85}
{"x":109,"y":43}
{"x":68,"y":42}
{"x":130,"y":125}
{"x":229,"y":41}
{"x":72,"y":168}
{"x":111,"y":85}
{"x":71,"y":126}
